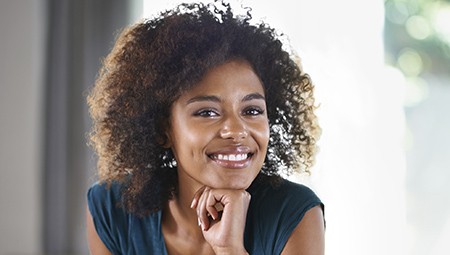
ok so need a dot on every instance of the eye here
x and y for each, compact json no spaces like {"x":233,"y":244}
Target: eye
{"x":253,"y":111}
{"x":206,"y":113}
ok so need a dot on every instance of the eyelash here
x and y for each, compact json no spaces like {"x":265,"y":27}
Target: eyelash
{"x":250,"y":111}
{"x":255,"y":111}
{"x":206,"y":113}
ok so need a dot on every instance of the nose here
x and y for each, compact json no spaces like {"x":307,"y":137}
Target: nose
{"x":234,"y":128}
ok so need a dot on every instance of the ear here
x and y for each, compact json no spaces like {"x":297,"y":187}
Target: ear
{"x":165,"y":139}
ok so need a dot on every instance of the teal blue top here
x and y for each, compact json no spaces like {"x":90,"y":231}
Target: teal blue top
{"x":272,"y":216}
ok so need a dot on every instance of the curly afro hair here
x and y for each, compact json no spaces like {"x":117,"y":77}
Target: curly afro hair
{"x":156,"y":60}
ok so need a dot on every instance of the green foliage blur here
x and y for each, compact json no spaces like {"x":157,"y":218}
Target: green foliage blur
{"x":417,"y":36}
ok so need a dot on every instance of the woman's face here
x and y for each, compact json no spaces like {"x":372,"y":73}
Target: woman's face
{"x":219,"y":129}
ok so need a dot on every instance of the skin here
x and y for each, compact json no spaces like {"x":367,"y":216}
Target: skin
{"x":222,"y":117}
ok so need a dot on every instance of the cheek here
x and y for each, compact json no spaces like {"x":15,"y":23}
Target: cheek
{"x":189,"y":140}
{"x":263,"y":134}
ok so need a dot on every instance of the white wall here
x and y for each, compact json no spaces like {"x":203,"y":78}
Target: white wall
{"x":21,"y":120}
{"x":360,"y":167}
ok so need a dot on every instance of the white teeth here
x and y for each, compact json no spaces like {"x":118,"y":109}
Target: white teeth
{"x":231,"y":157}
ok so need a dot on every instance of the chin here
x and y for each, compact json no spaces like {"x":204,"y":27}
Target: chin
{"x":236,"y":185}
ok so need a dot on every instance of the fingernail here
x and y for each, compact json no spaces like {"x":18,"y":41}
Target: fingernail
{"x":199,"y":223}
{"x":192,"y":203}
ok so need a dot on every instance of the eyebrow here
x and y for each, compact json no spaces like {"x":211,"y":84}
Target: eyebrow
{"x":249,"y":97}
{"x":253,"y":96}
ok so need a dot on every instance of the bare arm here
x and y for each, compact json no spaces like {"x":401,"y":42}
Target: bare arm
{"x":96,"y":246}
{"x":308,"y":238}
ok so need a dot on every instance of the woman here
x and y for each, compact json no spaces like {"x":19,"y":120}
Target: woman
{"x":196,"y":114}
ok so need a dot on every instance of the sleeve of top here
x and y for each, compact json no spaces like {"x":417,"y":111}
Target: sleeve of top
{"x":283,"y":210}
{"x":300,"y":200}
{"x":108,"y":218}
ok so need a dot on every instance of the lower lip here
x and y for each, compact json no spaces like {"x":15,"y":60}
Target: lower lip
{"x":233,"y":164}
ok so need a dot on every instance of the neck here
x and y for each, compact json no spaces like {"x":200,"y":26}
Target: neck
{"x":179,"y":217}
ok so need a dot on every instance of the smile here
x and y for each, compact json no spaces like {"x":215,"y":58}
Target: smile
{"x":232,"y":160}
{"x":231,"y":157}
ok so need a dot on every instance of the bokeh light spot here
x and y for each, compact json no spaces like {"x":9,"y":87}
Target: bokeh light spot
{"x":410,"y":62}
{"x":397,"y":12}
{"x":441,"y":22}
{"x":416,"y":91}
{"x":418,"y":27}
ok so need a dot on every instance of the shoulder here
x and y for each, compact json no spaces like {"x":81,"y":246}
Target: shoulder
{"x":275,"y":211}
{"x":308,"y":237}
{"x":105,"y":198}
{"x":102,"y":192}
{"x":105,"y":203}
{"x":285,"y":195}
{"x":107,"y":216}
{"x":113,"y":223}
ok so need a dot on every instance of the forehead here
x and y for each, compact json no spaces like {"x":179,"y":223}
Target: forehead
{"x":232,"y":77}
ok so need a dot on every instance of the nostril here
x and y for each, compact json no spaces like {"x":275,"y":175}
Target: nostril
{"x":235,"y":135}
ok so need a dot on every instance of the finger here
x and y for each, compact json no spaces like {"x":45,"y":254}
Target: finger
{"x":211,"y":203}
{"x":233,"y":204}
{"x":219,"y":207}
{"x":202,"y":213}
{"x":196,"y":197}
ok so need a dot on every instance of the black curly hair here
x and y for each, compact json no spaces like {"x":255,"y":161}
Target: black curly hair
{"x":156,"y":60}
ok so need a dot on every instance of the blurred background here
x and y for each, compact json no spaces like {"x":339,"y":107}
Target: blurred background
{"x":382,"y":75}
